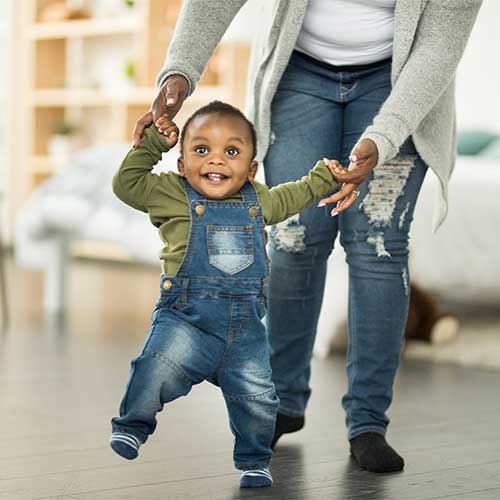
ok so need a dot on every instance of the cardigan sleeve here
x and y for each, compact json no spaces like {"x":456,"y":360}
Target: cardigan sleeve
{"x":440,"y":40}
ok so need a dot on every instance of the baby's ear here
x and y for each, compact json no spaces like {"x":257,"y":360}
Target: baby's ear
{"x":252,"y":171}
{"x":180,"y":166}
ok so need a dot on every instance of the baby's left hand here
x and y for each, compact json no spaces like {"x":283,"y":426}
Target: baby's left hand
{"x":169,"y":129}
{"x":347,"y":194}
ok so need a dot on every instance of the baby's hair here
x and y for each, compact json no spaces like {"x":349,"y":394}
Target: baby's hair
{"x":222,"y":108}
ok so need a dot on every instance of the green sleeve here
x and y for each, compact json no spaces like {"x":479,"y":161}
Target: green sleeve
{"x":134,"y":182}
{"x":290,"y":198}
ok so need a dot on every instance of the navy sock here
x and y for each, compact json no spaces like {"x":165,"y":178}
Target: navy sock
{"x":373,"y":453}
{"x":126,"y":445}
{"x":284,"y":425}
{"x":256,"y":478}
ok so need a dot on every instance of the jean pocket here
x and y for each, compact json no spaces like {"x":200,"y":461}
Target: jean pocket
{"x":230,"y":248}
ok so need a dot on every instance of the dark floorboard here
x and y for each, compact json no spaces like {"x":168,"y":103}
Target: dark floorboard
{"x":61,"y":382}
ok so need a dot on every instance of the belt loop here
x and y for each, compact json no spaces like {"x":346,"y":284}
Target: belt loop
{"x":185,"y":286}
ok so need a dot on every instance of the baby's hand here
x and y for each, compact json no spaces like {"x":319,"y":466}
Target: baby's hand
{"x":169,"y":129}
{"x":348,"y":192}
{"x":336,"y":169}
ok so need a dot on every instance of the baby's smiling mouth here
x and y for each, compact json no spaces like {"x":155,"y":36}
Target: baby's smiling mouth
{"x":215,"y":176}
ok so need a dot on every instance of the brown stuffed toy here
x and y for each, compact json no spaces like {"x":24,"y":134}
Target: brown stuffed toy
{"x":426,"y":321}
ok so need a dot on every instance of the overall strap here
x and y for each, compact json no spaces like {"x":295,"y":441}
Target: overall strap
{"x":190,"y":192}
{"x":248,"y":193}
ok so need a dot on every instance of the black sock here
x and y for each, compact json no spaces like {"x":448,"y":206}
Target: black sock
{"x":372,"y":453}
{"x":284,"y":425}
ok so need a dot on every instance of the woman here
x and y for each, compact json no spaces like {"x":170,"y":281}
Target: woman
{"x":369,"y":83}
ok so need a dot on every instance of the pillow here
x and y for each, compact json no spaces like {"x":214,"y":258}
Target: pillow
{"x":492,"y":150}
{"x":472,"y":142}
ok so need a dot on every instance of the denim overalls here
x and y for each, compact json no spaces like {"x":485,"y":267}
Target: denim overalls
{"x":207,"y":326}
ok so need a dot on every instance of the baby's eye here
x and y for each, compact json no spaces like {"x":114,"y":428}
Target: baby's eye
{"x":201,"y":150}
{"x":232,"y":152}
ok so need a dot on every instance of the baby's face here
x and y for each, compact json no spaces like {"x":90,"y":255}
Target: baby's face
{"x":217,"y":155}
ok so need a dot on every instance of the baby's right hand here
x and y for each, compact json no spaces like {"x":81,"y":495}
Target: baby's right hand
{"x":169,"y":129}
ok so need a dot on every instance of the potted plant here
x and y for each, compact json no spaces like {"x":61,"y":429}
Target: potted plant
{"x":64,"y":141}
{"x":130,"y":71}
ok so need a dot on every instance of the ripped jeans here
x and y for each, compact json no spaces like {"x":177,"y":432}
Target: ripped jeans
{"x":318,"y":112}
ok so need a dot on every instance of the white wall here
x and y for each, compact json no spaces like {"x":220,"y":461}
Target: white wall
{"x":478,"y":75}
{"x":5,"y":17}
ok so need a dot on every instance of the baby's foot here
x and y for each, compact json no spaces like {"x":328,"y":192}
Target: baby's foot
{"x":256,"y":478}
{"x":126,"y":445}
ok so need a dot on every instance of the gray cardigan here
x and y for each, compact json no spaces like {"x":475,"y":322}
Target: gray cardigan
{"x":429,"y":40}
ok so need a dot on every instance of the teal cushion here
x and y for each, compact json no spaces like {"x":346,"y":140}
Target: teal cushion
{"x":472,"y":142}
{"x":492,"y":150}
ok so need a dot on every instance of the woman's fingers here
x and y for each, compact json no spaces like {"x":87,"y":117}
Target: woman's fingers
{"x":143,"y":122}
{"x":169,"y":100}
{"x":344,"y":192}
{"x":363,"y":159}
{"x":365,"y":149}
{"x":344,"y":204}
{"x":348,"y":192}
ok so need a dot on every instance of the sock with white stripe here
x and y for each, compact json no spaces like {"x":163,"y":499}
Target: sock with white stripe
{"x":256,"y":478}
{"x":126,"y":445}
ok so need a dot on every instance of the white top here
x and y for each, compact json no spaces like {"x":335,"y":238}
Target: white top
{"x":348,"y":32}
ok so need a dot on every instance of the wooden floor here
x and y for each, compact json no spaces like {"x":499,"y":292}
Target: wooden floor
{"x":61,"y":382}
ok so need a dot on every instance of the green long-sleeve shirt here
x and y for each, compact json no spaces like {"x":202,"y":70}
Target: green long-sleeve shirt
{"x":164,"y":198}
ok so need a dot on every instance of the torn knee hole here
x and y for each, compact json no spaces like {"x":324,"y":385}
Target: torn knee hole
{"x":384,"y":189}
{"x":289,"y":235}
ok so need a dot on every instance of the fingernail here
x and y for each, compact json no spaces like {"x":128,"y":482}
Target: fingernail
{"x":325,"y":160}
{"x":354,"y":158}
{"x":333,"y":213}
{"x":321,"y":204}
{"x":170,"y":100}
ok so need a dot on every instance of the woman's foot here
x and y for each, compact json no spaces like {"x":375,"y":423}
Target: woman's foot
{"x":284,"y":425}
{"x":126,"y":445}
{"x":256,"y":478}
{"x":372,"y":452}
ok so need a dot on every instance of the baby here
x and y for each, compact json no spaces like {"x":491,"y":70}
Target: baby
{"x":207,"y":323}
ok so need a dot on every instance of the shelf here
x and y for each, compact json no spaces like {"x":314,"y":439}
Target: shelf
{"x":42,"y":165}
{"x":91,"y":97}
{"x":45,"y":98}
{"x":85,"y":249}
{"x":83,"y":28}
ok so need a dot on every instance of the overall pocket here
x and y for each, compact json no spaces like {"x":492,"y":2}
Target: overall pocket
{"x":230,"y":248}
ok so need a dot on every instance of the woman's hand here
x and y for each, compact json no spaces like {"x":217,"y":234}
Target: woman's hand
{"x":348,"y":192}
{"x":363,"y":159}
{"x":169,"y":100}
